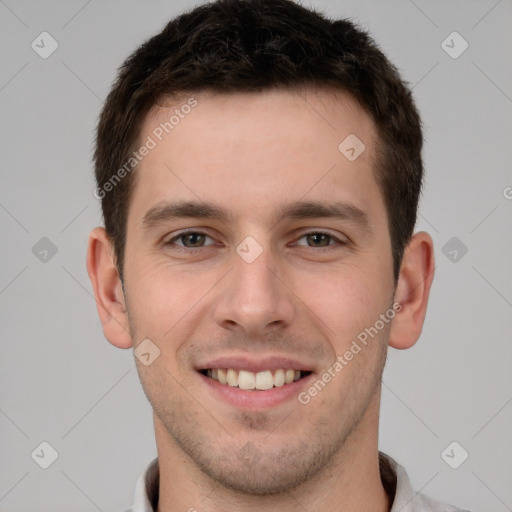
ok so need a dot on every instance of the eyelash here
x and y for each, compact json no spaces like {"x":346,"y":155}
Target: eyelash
{"x":195,"y":232}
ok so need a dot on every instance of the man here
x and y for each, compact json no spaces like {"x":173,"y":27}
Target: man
{"x":259,"y":168}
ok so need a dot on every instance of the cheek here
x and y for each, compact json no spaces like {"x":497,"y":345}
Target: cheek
{"x":346,"y":300}
{"x":162,"y":295}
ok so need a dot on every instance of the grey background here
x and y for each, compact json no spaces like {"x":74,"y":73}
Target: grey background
{"x":63,"y":383}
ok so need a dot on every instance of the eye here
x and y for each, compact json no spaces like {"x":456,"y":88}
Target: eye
{"x":319,"y":239}
{"x":188,"y":240}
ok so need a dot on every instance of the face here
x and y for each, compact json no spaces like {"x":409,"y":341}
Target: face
{"x":258,"y":252}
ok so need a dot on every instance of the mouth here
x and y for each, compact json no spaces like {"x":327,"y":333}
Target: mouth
{"x":255,"y":381}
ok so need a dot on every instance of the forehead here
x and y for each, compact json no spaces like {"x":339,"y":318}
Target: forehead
{"x":256,"y":149}
{"x":302,"y":115}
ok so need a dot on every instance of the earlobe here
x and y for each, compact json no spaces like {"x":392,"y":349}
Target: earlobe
{"x":412,"y":291}
{"x":108,"y":291}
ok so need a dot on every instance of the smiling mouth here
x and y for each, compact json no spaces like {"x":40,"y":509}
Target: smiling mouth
{"x":246,"y":380}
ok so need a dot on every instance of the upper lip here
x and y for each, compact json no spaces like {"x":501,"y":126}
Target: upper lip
{"x":256,"y":364}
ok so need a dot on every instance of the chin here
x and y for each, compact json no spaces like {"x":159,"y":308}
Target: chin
{"x":269,"y":475}
{"x":261,"y":468}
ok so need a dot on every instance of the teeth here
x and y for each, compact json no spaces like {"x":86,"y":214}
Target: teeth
{"x":264,"y":380}
{"x":279,"y":378}
{"x":246,"y":380}
{"x":249,"y":380}
{"x":221,"y":376}
{"x":232,"y":378}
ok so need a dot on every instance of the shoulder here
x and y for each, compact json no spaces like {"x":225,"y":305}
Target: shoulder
{"x":398,"y":486}
{"x":424,"y":503}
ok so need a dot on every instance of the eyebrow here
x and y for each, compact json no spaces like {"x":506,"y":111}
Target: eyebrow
{"x":300,"y":210}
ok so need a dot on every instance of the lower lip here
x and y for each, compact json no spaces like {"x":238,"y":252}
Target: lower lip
{"x":256,"y":399}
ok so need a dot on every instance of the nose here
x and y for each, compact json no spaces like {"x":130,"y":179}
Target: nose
{"x":256,"y":299}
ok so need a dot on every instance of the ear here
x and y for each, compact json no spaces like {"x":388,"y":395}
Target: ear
{"x":108,"y":290}
{"x":412,"y":291}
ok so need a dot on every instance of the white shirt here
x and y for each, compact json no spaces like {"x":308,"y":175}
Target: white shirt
{"x":394,"y":479}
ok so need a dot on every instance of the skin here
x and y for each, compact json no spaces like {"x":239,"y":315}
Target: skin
{"x":303,"y":297}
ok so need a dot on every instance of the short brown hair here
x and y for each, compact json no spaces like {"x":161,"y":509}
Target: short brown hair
{"x":252,"y":45}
